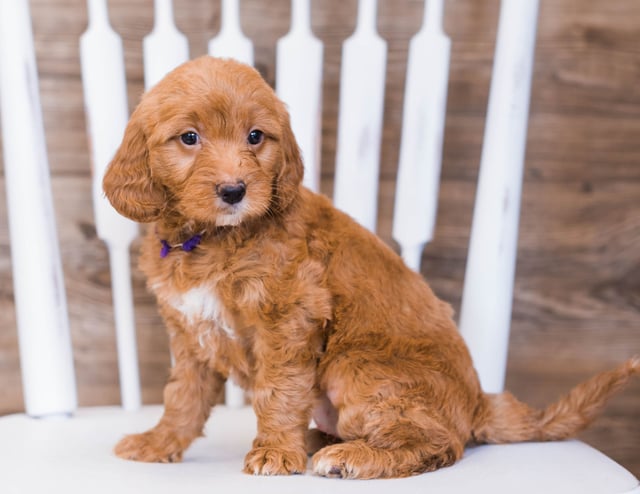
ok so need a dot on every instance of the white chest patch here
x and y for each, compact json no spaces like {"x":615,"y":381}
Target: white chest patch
{"x":202,"y":304}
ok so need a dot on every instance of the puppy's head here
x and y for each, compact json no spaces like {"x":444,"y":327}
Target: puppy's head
{"x":210,"y":143}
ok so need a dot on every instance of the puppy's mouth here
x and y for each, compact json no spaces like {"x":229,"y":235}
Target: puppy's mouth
{"x":232,"y":218}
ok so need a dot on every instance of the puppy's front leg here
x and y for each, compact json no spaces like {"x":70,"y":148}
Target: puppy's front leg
{"x":188,"y":398}
{"x":282,"y":400}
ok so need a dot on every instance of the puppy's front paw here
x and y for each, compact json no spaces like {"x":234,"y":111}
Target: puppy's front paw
{"x":151,"y":446}
{"x":275,"y":461}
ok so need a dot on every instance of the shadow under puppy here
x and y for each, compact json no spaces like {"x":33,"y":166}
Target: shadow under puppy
{"x":262,"y":281}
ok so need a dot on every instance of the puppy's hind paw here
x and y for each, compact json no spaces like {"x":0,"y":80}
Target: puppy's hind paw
{"x":275,"y":461}
{"x":151,"y":447}
{"x":351,"y":460}
{"x":328,"y":465}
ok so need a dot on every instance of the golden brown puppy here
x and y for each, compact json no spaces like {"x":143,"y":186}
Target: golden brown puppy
{"x":264,"y":282}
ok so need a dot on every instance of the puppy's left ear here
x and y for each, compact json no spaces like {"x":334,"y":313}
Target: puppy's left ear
{"x":289,"y":175}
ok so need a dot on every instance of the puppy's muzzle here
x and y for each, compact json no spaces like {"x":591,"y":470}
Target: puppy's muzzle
{"x":231,"y":193}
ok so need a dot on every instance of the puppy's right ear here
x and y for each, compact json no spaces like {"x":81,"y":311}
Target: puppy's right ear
{"x":128,"y":183}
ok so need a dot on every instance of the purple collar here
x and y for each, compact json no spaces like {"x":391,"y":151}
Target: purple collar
{"x":186,"y":246}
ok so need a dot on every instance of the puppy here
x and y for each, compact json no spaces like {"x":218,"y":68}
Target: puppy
{"x":262,"y":281}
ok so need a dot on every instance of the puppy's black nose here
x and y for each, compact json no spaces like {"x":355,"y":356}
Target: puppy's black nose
{"x":231,"y":193}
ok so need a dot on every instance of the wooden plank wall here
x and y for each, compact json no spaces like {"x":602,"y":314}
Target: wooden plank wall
{"x":577,"y":291}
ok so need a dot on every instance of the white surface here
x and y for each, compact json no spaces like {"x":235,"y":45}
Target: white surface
{"x":165,"y":47}
{"x":423,"y":115}
{"x":105,"y":97}
{"x":362,"y":80}
{"x":41,"y":307}
{"x":230,"y":41}
{"x":299,"y":85}
{"x":75,"y":455}
{"x":485,"y":314}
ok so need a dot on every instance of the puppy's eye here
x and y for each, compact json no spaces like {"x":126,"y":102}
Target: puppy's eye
{"x":255,"y":137}
{"x":190,"y":138}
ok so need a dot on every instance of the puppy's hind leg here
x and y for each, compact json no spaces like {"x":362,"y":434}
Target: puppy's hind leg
{"x":315,"y":440}
{"x":391,"y":443}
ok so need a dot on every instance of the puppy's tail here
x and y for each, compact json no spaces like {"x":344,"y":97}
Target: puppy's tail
{"x":501,"y":418}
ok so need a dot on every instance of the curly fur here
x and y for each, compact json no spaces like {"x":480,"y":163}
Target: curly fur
{"x":297,"y":303}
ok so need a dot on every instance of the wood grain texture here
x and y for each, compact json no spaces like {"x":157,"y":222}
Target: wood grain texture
{"x":577,"y":290}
